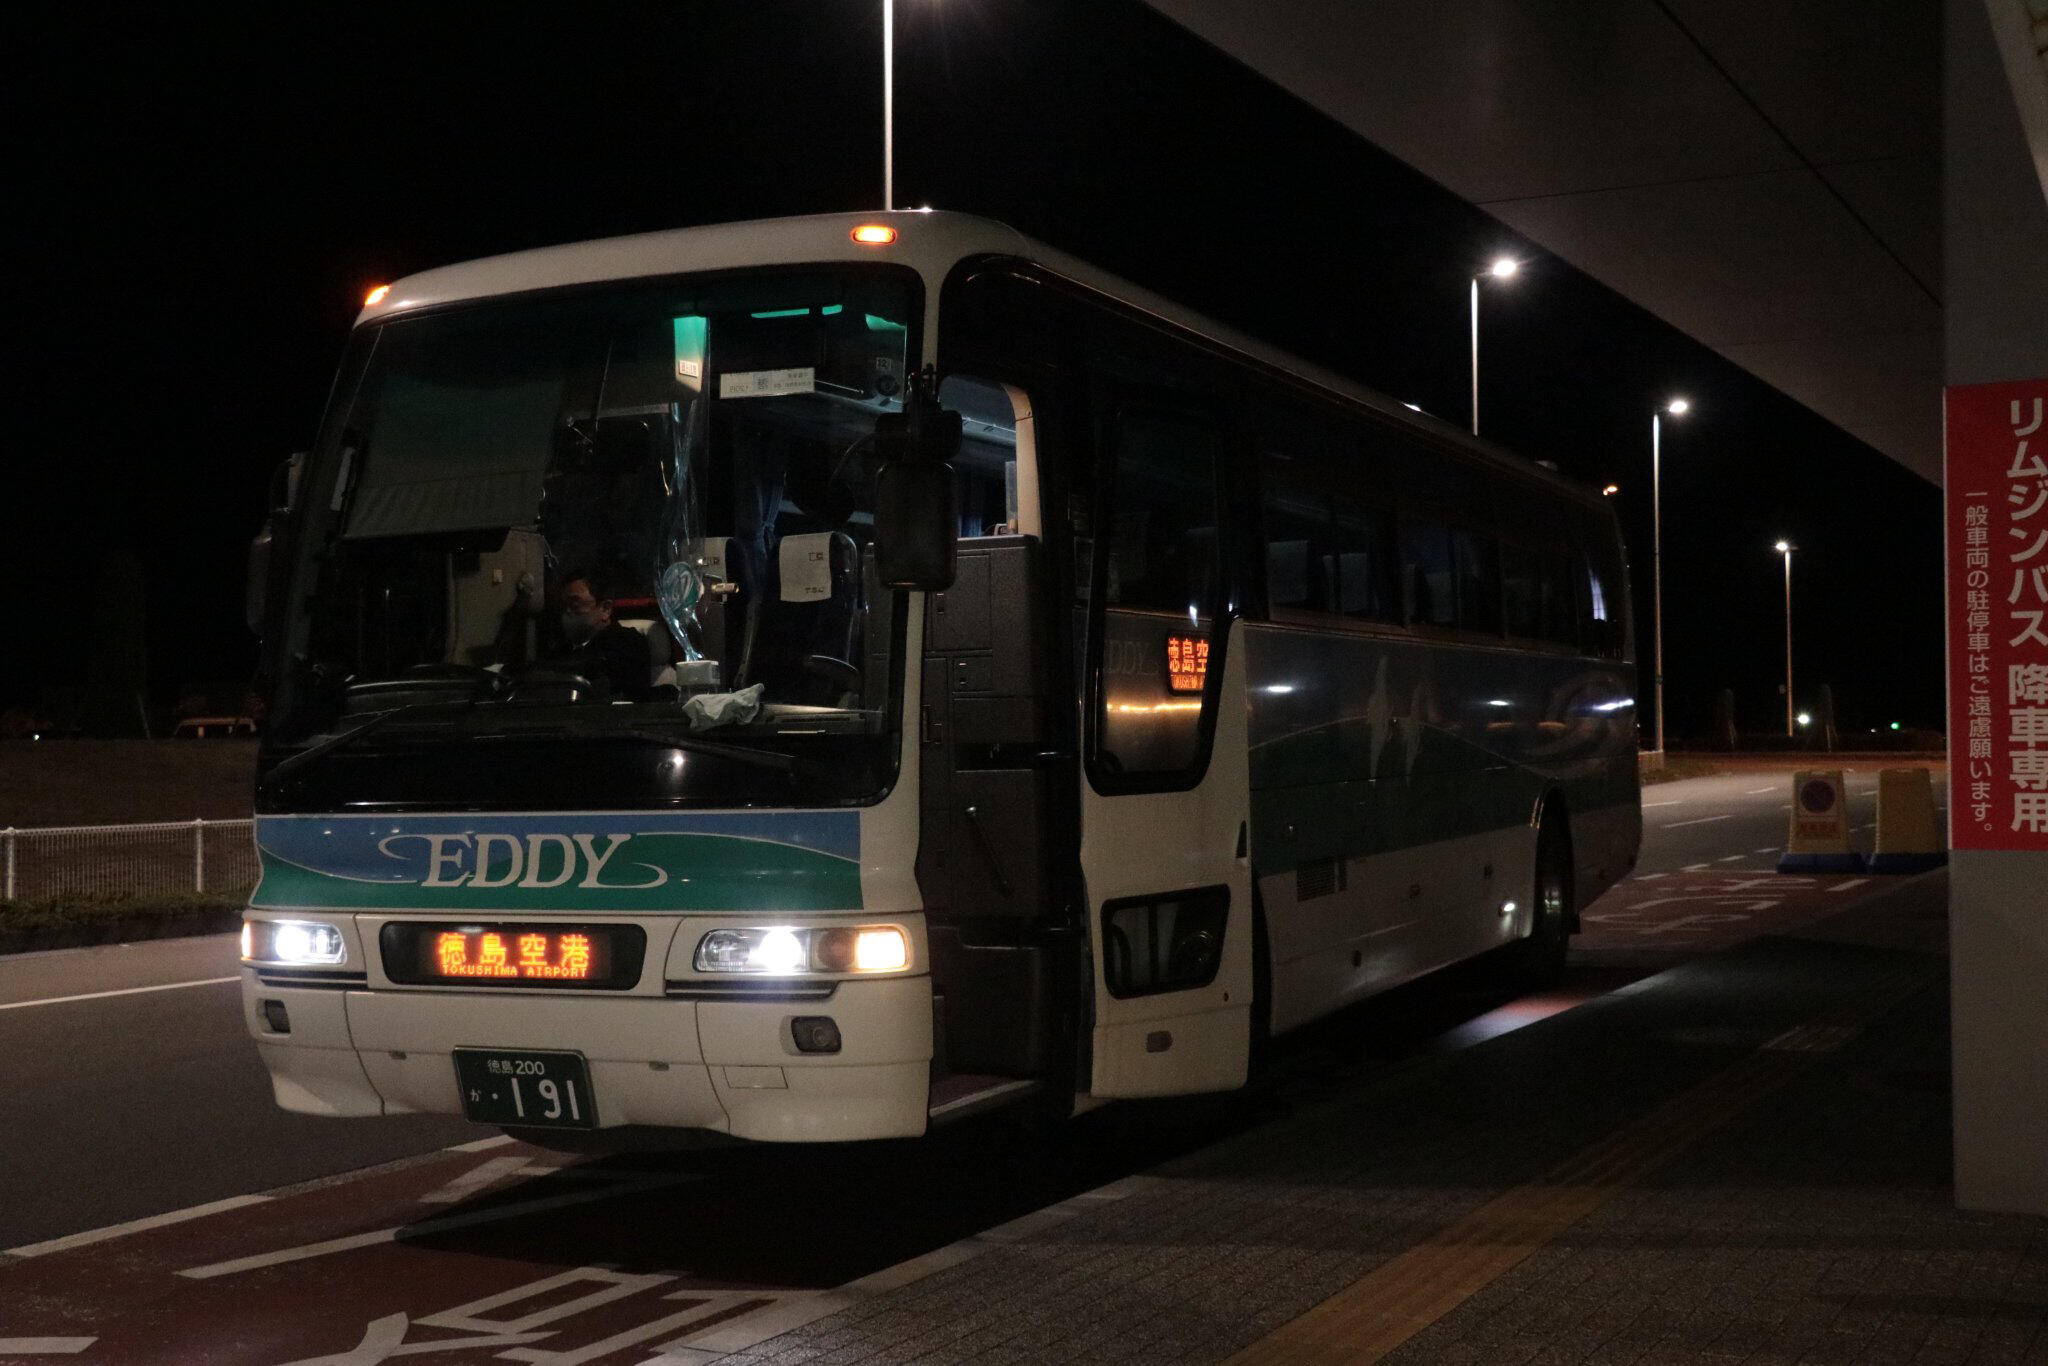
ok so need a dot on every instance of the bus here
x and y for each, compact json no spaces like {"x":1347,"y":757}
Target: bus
{"x":812,"y":679}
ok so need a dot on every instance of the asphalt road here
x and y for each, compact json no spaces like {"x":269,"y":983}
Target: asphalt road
{"x":122,"y":1106}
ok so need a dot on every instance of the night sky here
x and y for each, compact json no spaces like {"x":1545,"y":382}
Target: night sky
{"x":201,"y":201}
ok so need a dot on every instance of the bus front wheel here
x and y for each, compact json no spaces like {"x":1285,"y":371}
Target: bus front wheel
{"x":1541,"y":956}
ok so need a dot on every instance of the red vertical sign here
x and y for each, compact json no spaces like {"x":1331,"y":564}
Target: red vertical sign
{"x":1997,"y":489}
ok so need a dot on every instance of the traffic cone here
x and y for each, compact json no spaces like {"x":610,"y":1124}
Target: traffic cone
{"x":1908,"y":837}
{"x":1819,"y":838}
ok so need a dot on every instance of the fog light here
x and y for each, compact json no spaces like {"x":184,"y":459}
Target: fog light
{"x":815,"y":1034}
{"x":277,"y":1017}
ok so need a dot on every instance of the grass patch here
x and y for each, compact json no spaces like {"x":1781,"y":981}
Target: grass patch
{"x":71,"y":922}
{"x":1680,"y":766}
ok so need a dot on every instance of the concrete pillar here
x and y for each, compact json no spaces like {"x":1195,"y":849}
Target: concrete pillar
{"x":1995,"y":298}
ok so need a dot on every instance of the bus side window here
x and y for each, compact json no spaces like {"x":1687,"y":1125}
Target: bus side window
{"x":1363,"y":543}
{"x":1428,"y":573}
{"x":1478,"y":562}
{"x":1298,"y":561}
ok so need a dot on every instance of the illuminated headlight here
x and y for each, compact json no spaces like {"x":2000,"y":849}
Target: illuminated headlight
{"x":301,"y":942}
{"x":786,"y":951}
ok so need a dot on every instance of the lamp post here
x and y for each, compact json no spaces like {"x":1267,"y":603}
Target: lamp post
{"x":1677,"y":407}
{"x":888,"y":104}
{"x":1786,"y":548}
{"x":1502,"y":268}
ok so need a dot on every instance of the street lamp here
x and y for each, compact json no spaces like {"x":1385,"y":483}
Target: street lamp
{"x":888,"y":104}
{"x":1786,"y":548}
{"x":1502,"y":268}
{"x":1610,"y":490}
{"x":1677,"y":407}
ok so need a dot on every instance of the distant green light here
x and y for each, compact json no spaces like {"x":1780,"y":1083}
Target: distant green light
{"x":1895,"y":725}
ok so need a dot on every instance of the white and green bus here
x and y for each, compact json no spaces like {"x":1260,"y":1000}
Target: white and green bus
{"x":812,"y":679}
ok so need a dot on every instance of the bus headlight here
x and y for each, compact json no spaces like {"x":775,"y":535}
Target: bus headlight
{"x":788,"y":951}
{"x":304,"y":943}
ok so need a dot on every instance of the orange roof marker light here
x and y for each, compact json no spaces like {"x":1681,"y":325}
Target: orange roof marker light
{"x":873,"y":234}
{"x":376,"y":296}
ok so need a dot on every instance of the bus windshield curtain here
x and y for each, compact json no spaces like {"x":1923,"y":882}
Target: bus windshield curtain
{"x":446,"y":457}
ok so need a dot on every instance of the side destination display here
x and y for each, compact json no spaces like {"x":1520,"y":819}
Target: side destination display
{"x":625,"y":861}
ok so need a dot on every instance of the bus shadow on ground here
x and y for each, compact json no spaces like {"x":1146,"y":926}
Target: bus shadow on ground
{"x":724,"y":1215}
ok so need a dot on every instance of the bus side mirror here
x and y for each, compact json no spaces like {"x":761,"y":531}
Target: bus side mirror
{"x":256,"y":588}
{"x":284,"y":490}
{"x":917,"y":517}
{"x":917,"y":525}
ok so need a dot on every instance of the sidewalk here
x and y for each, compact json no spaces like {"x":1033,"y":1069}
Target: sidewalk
{"x":1742,"y":1159}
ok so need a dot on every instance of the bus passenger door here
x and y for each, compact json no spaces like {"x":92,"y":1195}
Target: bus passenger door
{"x":1164,"y":795}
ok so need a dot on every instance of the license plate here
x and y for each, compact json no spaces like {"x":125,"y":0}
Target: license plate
{"x":537,"y":1090}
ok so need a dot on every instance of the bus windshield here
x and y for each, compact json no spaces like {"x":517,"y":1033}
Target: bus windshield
{"x":628,"y":515}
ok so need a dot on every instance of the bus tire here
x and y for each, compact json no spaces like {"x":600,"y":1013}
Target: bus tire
{"x":1540,"y":958}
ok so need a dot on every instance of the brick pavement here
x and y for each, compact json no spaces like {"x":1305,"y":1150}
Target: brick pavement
{"x":1811,"y":1222}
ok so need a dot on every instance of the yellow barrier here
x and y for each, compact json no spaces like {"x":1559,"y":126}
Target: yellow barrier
{"x":1819,"y":838}
{"x":1908,"y":835}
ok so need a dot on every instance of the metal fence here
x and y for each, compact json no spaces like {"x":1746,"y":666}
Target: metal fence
{"x":128,"y":860}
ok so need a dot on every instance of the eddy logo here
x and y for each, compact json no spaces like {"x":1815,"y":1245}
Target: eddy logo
{"x":536,"y":860}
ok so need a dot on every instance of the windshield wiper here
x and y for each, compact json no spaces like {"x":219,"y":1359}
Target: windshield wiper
{"x":293,"y":762}
{"x":739,"y":754}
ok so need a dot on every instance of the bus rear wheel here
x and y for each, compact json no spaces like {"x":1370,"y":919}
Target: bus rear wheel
{"x":1540,"y":957}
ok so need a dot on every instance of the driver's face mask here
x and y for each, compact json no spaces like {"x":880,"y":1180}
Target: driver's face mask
{"x":578,"y":627}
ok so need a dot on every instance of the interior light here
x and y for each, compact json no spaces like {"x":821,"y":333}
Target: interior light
{"x":1611,"y":490}
{"x":882,"y":950}
{"x":1782,"y":547}
{"x":874,"y":234}
{"x":1504,"y":267}
{"x":1805,"y":718}
{"x":1678,"y":407}
{"x":376,"y":296}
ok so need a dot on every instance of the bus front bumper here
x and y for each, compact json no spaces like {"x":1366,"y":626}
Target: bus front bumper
{"x":727,"y":1066}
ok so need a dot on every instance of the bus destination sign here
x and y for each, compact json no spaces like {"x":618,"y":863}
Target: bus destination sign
{"x":513,"y":954}
{"x":1187,"y":663}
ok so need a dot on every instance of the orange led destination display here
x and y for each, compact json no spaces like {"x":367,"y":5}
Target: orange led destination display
{"x":527,"y":955}
{"x":1187,"y":663}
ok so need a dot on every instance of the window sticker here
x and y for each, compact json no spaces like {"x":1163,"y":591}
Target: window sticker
{"x":767,"y":383}
{"x":807,"y":566}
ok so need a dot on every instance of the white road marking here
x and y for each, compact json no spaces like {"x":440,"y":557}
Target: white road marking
{"x":481,"y":1144}
{"x":29,"y":1347}
{"x":1730,"y":858}
{"x":1698,"y":820}
{"x":1694,"y":868}
{"x":474,"y":1180}
{"x":1767,"y":849}
{"x":100,"y":1235}
{"x":1673,"y":802}
{"x":1852,"y":882}
{"x":444,"y":1224}
{"x":124,"y":991}
{"x":979,"y":1096}
{"x":1645,"y":877}
{"x":1759,"y":791}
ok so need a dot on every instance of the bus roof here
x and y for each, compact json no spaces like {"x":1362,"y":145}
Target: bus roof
{"x":930,"y":241}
